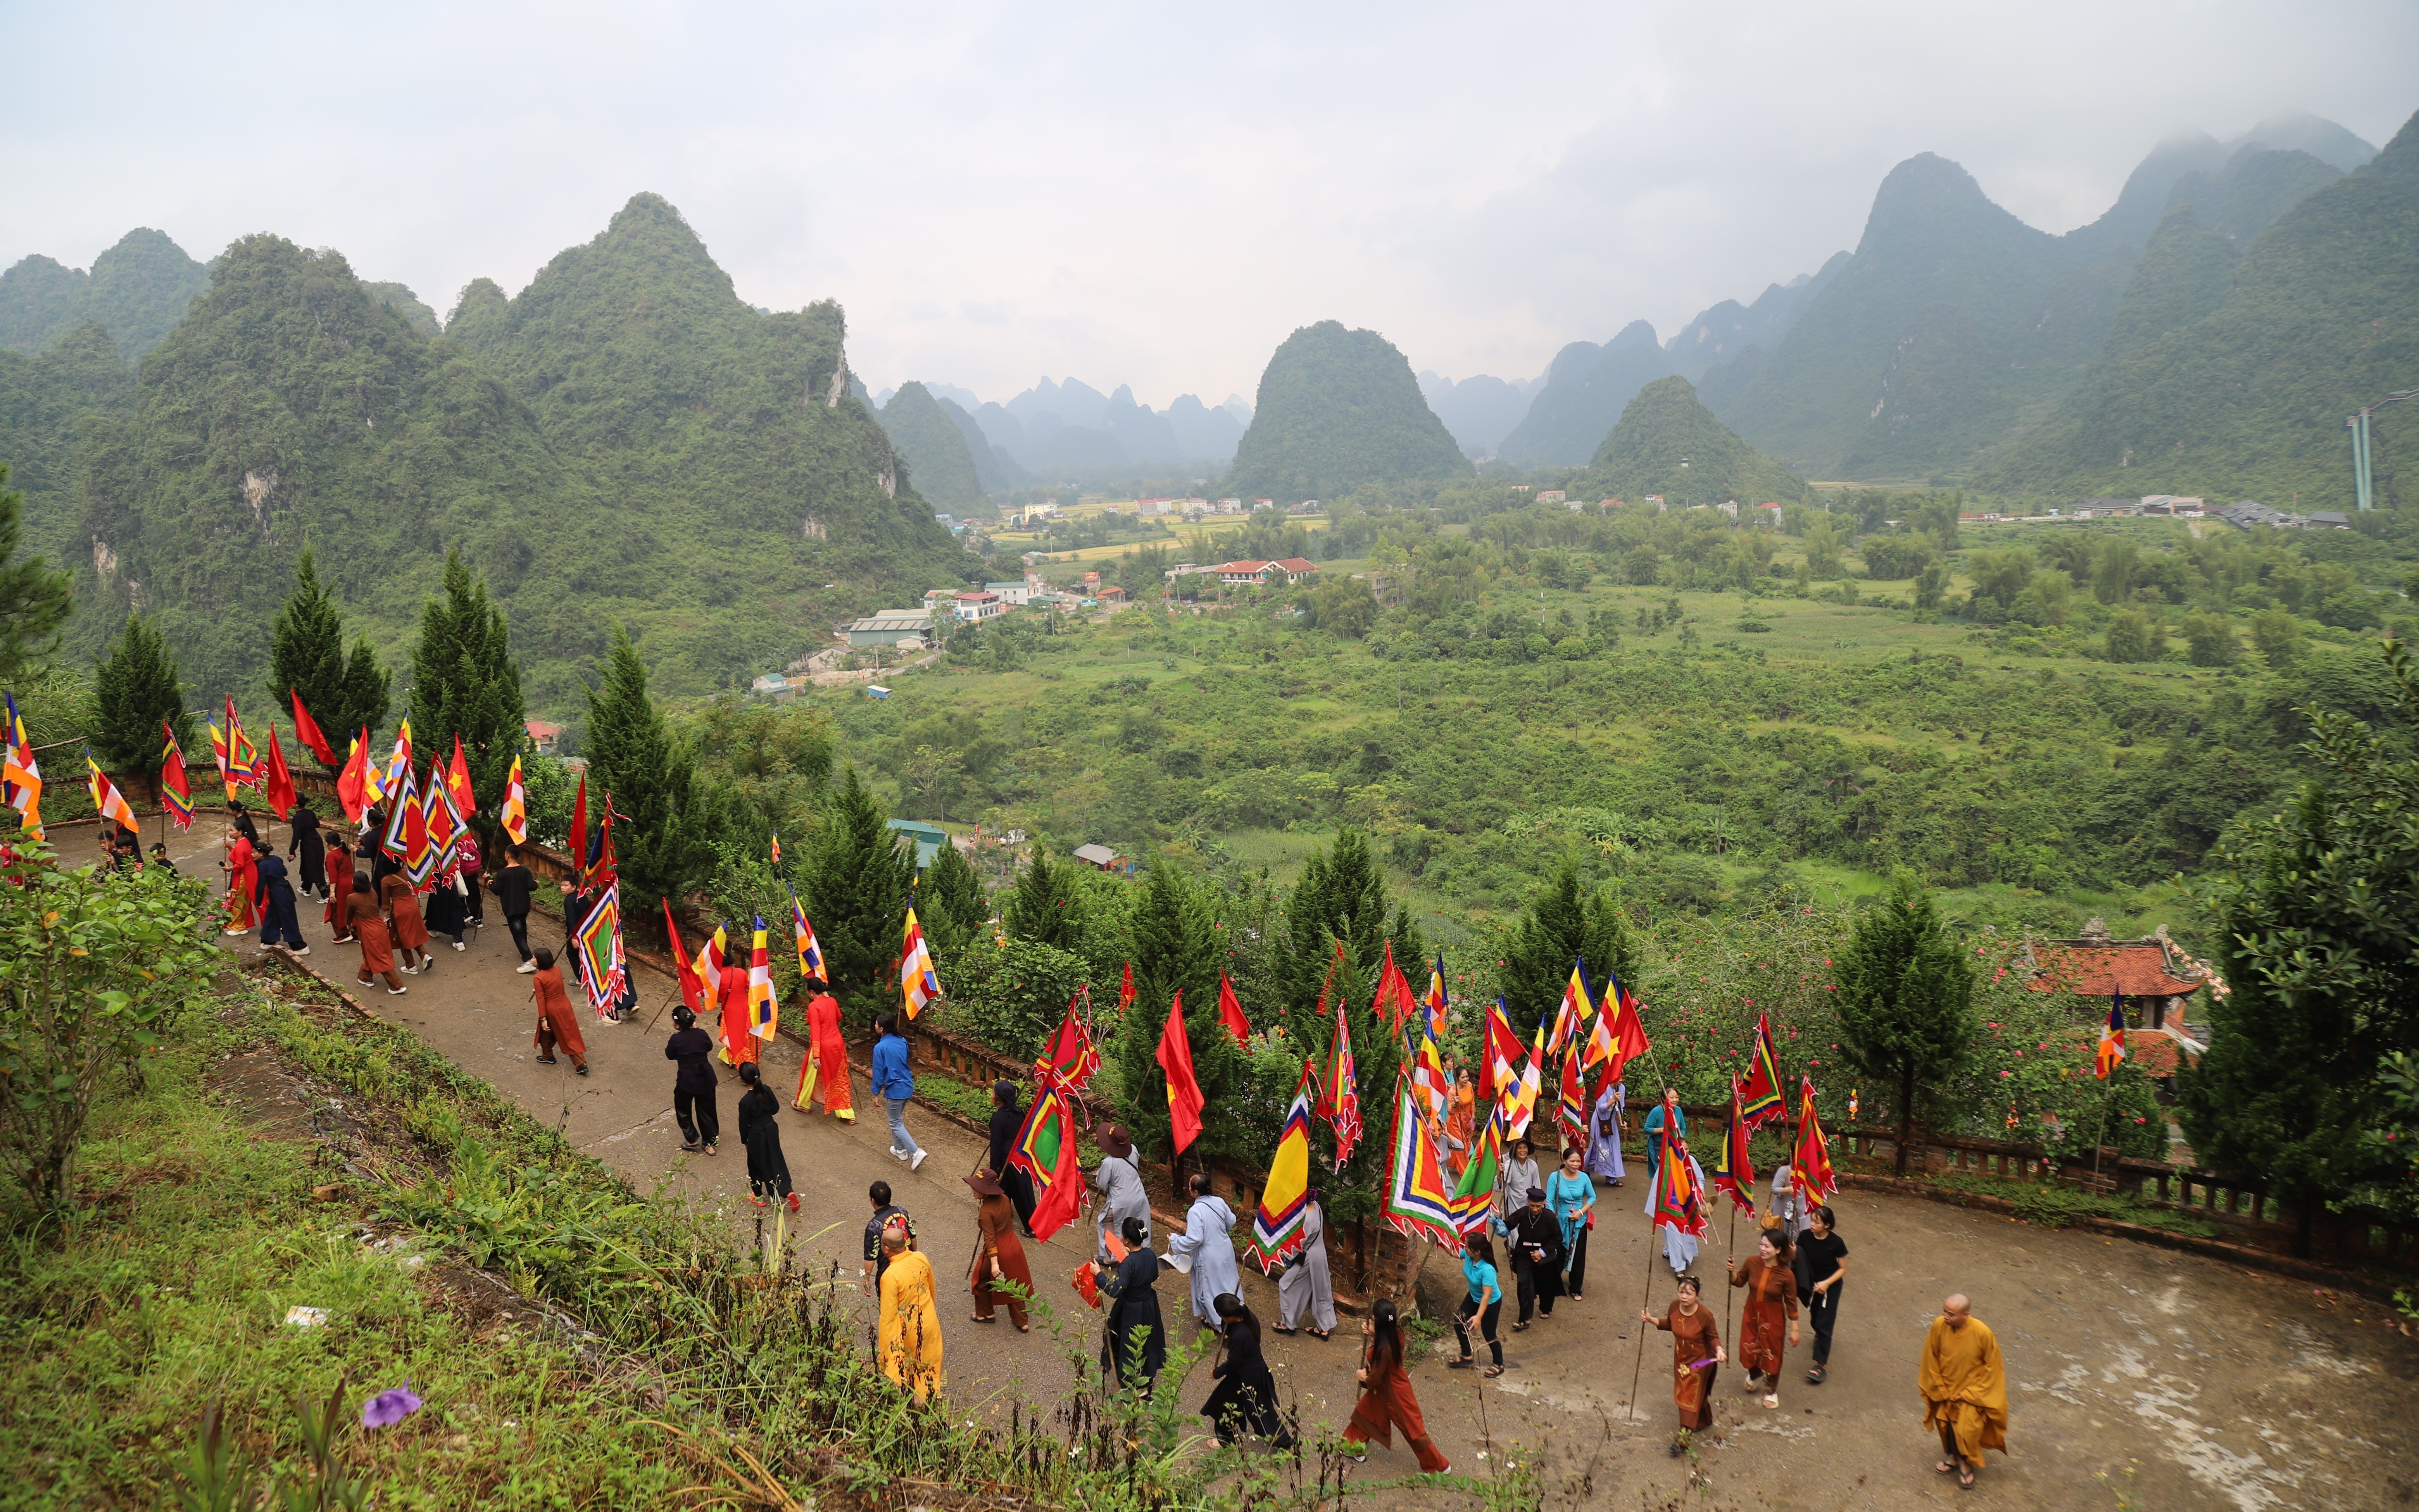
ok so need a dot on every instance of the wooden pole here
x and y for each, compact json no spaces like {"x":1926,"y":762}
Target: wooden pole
{"x":1730,"y":1258}
{"x":1643,"y":1302}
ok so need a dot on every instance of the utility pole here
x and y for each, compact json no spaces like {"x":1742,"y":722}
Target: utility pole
{"x":2361,"y":490}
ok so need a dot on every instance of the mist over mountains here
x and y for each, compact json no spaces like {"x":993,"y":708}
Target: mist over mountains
{"x":1071,"y":432}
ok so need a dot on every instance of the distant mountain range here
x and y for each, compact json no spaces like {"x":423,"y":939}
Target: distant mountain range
{"x":1071,"y":432}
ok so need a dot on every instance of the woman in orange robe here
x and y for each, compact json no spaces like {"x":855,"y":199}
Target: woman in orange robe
{"x":243,"y":880}
{"x":739,"y":1042}
{"x":1386,"y":1401}
{"x":824,"y":1072}
{"x":1461,"y":1122}
{"x":1696,"y":1357}
{"x":999,"y":1254}
{"x":363,"y":924}
{"x":1771,"y":1283}
{"x":403,"y":918}
{"x":558,"y":1022}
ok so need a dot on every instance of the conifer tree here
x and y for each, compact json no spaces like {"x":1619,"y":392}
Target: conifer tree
{"x":1906,"y":992}
{"x":662,"y":828}
{"x":306,"y":655}
{"x":950,"y":905}
{"x":1562,"y":923}
{"x":1176,"y":950}
{"x":134,"y":689}
{"x":855,"y":890}
{"x":465,"y":682}
{"x":1044,"y":907}
{"x":33,"y":600}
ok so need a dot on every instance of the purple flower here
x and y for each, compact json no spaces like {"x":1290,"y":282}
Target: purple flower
{"x":388,"y":1408}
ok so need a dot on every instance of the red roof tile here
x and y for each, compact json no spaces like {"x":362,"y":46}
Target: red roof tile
{"x":2096,"y":970}
{"x":1296,"y":565}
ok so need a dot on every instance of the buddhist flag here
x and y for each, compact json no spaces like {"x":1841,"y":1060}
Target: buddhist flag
{"x":1571,"y":1102}
{"x":457,"y":782}
{"x":398,"y":766}
{"x":106,"y":800}
{"x":1395,"y":1002}
{"x":1437,"y":1001}
{"x":1417,"y":1203}
{"x":1812,"y":1170}
{"x":243,"y":757}
{"x":1429,"y":1083}
{"x":2112,"y":1036}
{"x":708,"y":965}
{"x":692,"y":988}
{"x":352,"y":783}
{"x":1071,"y":1056}
{"x":1046,"y":1150}
{"x":1528,"y":1088}
{"x":1678,"y":1204}
{"x":1285,"y":1201}
{"x":176,"y":788}
{"x":515,"y":810}
{"x":1231,"y":1012}
{"x":1473,"y":1200}
{"x":916,"y":977}
{"x":1175,"y":1058}
{"x":1126,"y":990}
{"x":763,"y":1008}
{"x":278,"y":784}
{"x":777,"y":850}
{"x":1628,"y":1029}
{"x":21,"y":777}
{"x":1759,"y":1097}
{"x":1339,"y":1092}
{"x":1733,"y":1172}
{"x":306,"y":730}
{"x":810,"y":950}
{"x":1499,"y":1058}
{"x":1571,"y":1012}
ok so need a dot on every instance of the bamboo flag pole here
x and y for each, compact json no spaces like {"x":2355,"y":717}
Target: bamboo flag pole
{"x":1729,"y":1261}
{"x":1644,"y":1305}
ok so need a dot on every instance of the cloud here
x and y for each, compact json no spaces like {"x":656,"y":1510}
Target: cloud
{"x":997,"y":191}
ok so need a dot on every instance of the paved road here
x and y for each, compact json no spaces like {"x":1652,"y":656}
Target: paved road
{"x":2188,"y":1382}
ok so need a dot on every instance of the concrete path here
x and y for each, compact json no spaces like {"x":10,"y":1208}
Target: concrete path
{"x":2188,"y":1383}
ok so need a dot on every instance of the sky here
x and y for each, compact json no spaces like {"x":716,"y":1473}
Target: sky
{"x":1132,"y":195}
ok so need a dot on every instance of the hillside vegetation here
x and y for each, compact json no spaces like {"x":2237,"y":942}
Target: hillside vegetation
{"x":1669,"y":444}
{"x":1337,"y":408}
{"x":928,"y":439}
{"x":1585,"y":392}
{"x":137,"y":291}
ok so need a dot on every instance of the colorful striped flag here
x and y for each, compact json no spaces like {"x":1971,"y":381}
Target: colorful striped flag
{"x":402,"y":803}
{"x":1628,"y":1029}
{"x":243,"y":757}
{"x":444,"y":825}
{"x":1812,"y":1170}
{"x":419,"y":856}
{"x":1678,"y":1204}
{"x":20,"y":775}
{"x":1573,"y":1010}
{"x":1417,"y":1203}
{"x":2112,"y":1036}
{"x":604,"y":968}
{"x":515,"y":810}
{"x":1284,"y":1200}
{"x":1339,"y":1093}
{"x":106,"y":800}
{"x":176,"y":788}
{"x":764,"y":1007}
{"x":917,"y":978}
{"x":1473,"y":1200}
{"x":219,"y":754}
{"x":1733,"y":1172}
{"x":398,"y":767}
{"x":810,"y":950}
{"x":1761,"y":1098}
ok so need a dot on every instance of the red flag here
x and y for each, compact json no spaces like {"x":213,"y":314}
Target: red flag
{"x":692,"y":986}
{"x":579,"y":827}
{"x":281,"y":781}
{"x":1126,"y":990}
{"x":1810,"y":1170}
{"x":1628,"y":1029}
{"x":1175,"y":1058}
{"x":306,"y":730}
{"x":353,"y":782}
{"x":1231,"y":1012}
{"x":1339,"y":1091}
{"x":1071,"y":1055}
{"x":1733,"y":1171}
{"x":1395,"y":1001}
{"x":1761,"y":1096}
{"x":457,"y":782}
{"x":176,"y":789}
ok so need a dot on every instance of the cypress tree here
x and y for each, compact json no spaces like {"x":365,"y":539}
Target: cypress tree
{"x":306,"y":655}
{"x":1561,"y":923}
{"x":1044,"y":907}
{"x":465,"y":682}
{"x":855,"y":890}
{"x":1906,"y":992}
{"x":1176,"y":950}
{"x":952,"y":907}
{"x":134,"y":689}
{"x":663,"y":827}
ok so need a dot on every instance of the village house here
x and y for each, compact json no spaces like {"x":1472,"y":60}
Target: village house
{"x":974,"y":607}
{"x":543,"y":737}
{"x":1250,"y":573}
{"x":1103,"y":857}
{"x":1013,"y":595}
{"x":2156,"y":978}
{"x":889,"y":627}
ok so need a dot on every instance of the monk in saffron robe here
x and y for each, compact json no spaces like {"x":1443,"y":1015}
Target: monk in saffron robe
{"x":1964,"y":1385}
{"x":910,"y":1340}
{"x":1697,"y":1357}
{"x":558,"y":1020}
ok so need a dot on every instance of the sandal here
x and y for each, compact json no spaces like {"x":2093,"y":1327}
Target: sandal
{"x":1965,"y":1478}
{"x":1492,"y":1371}
{"x":1946,"y":1466}
{"x":1322,"y":1335}
{"x":1462,"y":1364}
{"x":1817,"y":1376}
{"x":993,"y":1319}
{"x":1771,"y":1400}
{"x":1288,"y":1330}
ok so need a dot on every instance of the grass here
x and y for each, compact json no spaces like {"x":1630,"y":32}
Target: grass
{"x":2057,"y":1207}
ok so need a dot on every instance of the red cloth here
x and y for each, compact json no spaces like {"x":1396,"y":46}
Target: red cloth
{"x":1175,"y":1058}
{"x":402,"y":913}
{"x":554,"y":1011}
{"x":1386,"y":1402}
{"x":243,"y":880}
{"x":739,"y":1042}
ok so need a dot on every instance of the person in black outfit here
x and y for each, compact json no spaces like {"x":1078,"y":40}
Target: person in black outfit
{"x":443,"y":912}
{"x":241,"y":823}
{"x":309,"y":851}
{"x":1536,"y":1237}
{"x":693,"y":1049}
{"x":1245,"y":1398}
{"x":273,"y":895}
{"x":374,"y":843}
{"x":1007,"y":1117}
{"x":513,"y":887}
{"x":1822,"y":1266}
{"x":885,"y":1215}
{"x":768,"y":1170}
{"x":1135,"y":1348}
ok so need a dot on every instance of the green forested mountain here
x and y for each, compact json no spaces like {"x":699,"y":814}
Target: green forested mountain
{"x":1669,"y":443}
{"x":994,"y":469}
{"x":1581,"y":399}
{"x":407,"y":304}
{"x":41,"y":399}
{"x":626,"y":441}
{"x":938,"y":459}
{"x":2245,"y":198}
{"x":138,"y":289}
{"x":2234,"y":379}
{"x":1337,"y":408}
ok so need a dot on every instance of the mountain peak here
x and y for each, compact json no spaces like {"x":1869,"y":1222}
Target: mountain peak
{"x":1636,"y":333}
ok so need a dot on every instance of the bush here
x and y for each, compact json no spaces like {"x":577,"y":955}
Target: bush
{"x":1012,"y":997}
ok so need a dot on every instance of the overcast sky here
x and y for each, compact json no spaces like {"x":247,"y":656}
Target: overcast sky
{"x":1127,"y":195}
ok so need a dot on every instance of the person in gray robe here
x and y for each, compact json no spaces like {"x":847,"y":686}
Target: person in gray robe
{"x":1304,"y":1284}
{"x":1118,"y":1180}
{"x":1604,"y":1133}
{"x":1519,"y":1175}
{"x":1209,"y":1242}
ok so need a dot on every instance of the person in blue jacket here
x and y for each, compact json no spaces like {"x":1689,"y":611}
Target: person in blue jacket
{"x":895,"y":1084}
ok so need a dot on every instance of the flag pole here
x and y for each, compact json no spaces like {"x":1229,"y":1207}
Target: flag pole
{"x":1730,"y":1258}
{"x":1639,"y":1364}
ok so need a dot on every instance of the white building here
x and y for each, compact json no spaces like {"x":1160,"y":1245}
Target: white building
{"x":1012,"y":595}
{"x":974,"y":607}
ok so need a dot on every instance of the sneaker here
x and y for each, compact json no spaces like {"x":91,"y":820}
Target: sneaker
{"x":917,"y":1163}
{"x":396,"y":991}
{"x":460,"y":946}
{"x":546,"y":1061}
{"x":583,"y":1070}
{"x":408,"y":971}
{"x":896,"y":1153}
{"x":526,"y":967}
{"x":299,"y":951}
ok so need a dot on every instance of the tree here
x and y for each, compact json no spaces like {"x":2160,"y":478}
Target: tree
{"x":856,"y":879}
{"x":135,"y":690}
{"x":306,"y":655}
{"x":1044,"y":906}
{"x":1562,"y":923}
{"x":1906,"y":998}
{"x":2278,"y":635}
{"x":1929,"y":584}
{"x":662,"y":828}
{"x":1177,"y":950}
{"x":1342,"y":607}
{"x":33,"y":600}
{"x":950,"y":905}
{"x":2134,"y":636}
{"x":2315,"y":916}
{"x":2209,"y":640}
{"x":463,"y":681}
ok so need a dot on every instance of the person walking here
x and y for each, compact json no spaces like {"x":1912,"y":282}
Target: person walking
{"x":338,"y":859}
{"x":1460,"y":1123}
{"x":895,"y":1084}
{"x":1007,"y":1117}
{"x":444,"y":910}
{"x":1207,"y":1244}
{"x":1784,"y":1213}
{"x":1305,"y":1285}
{"x":366,"y":927}
{"x":740,"y":1047}
{"x":467,"y":858}
{"x":308,"y":850}
{"x":1386,"y":1401}
{"x":1664,"y":1117}
{"x":691,"y":1049}
{"x":886,"y":1214}
{"x":1118,"y":1180}
{"x":1604,"y":1133}
{"x":1697,"y":1357}
{"x":1570,"y":1192}
{"x":242,"y":879}
{"x":1771,"y":1300}
{"x":1537,"y":1237}
{"x":823,"y":1071}
{"x":1519,"y":1175}
{"x":410,"y":932}
{"x":1245,"y":1398}
{"x":558,"y":1022}
{"x":759,"y":1130}
{"x":1965,"y":1384}
{"x":999,"y":1254}
{"x":1484,"y":1303}
{"x":382,"y":863}
{"x":1822,"y":1271}
{"x":910,"y":1337}
{"x":275,"y":896}
{"x":1137,"y":1345}
{"x":513,"y":887}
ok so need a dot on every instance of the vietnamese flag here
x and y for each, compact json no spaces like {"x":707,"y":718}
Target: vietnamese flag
{"x":457,"y":782}
{"x":579,"y":830}
{"x":1126,"y":990}
{"x":280,"y":783}
{"x":1231,"y":1012}
{"x":692,"y":986}
{"x":1175,"y":1058}
{"x":306,"y":730}
{"x":352,"y":783}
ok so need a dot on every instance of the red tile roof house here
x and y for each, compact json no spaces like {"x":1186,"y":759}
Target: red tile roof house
{"x":2155,"y":975}
{"x":1250,"y":572}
